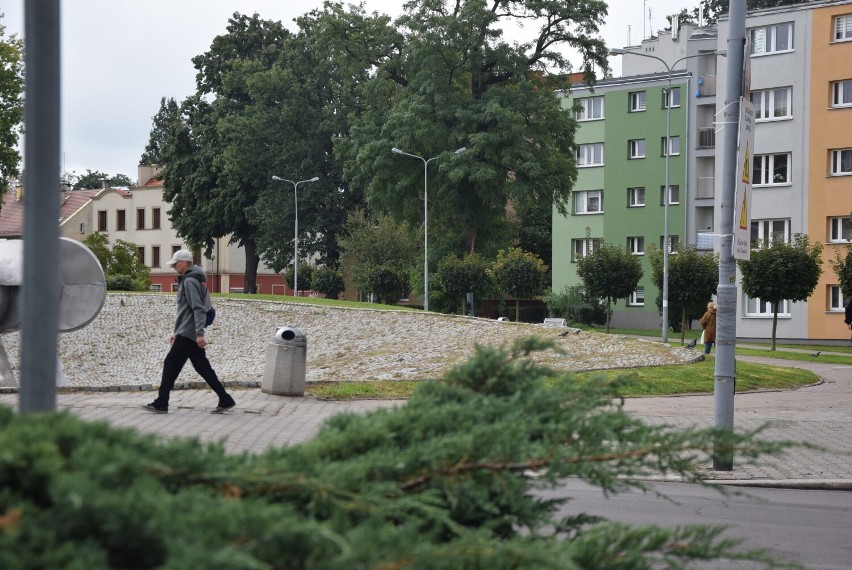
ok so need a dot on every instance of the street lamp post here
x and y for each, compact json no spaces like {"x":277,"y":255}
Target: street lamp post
{"x":425,"y":218}
{"x":667,"y":190}
{"x":296,"y":234}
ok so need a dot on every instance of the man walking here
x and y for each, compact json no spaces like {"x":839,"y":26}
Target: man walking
{"x":188,"y":339}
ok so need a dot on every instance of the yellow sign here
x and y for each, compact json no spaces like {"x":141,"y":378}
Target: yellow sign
{"x":746,"y":165}
{"x":744,"y":212}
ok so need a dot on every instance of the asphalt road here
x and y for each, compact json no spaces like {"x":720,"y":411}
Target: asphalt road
{"x":811,"y":528}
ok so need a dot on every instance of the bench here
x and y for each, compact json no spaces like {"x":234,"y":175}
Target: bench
{"x":555,"y":322}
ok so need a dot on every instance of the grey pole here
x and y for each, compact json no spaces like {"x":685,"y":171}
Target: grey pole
{"x":296,"y":234}
{"x":726,"y":294}
{"x":40,"y":289}
{"x":425,"y":218}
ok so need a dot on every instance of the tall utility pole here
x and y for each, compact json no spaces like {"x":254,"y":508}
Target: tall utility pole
{"x":725,"y":372}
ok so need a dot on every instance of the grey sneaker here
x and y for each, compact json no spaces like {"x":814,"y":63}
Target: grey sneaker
{"x":223,"y":409}
{"x":154,"y":409}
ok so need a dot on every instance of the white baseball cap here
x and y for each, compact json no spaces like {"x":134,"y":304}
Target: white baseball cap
{"x":180,"y":255}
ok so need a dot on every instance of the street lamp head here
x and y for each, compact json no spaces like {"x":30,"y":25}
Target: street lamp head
{"x":314,"y":179}
{"x":461,"y":150}
{"x":278,"y":178}
{"x":396,"y":150}
{"x":617,"y":51}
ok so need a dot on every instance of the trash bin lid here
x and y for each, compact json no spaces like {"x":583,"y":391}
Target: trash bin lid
{"x":290,"y":336}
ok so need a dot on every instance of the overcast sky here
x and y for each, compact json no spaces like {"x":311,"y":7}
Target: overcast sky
{"x":119,"y":57}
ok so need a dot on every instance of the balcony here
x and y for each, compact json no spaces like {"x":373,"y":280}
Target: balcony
{"x":706,"y":86}
{"x":707,"y":137}
{"x":704,"y":241}
{"x":706,"y":187}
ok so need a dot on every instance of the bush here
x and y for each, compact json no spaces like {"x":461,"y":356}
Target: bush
{"x":306,"y":272}
{"x":327,"y":281}
{"x":441,"y":482}
{"x":120,"y":283}
{"x":575,"y":306}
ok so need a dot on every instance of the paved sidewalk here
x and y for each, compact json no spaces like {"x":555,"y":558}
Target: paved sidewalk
{"x":820,"y":414}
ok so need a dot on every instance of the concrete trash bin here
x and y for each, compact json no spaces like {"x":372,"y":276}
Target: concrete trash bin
{"x":284,"y":374}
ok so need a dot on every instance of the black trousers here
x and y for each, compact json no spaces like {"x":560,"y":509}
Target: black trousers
{"x":184,"y":349}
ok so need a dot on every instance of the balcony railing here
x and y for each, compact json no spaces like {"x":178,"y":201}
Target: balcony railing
{"x":707,"y":137}
{"x":706,"y":85}
{"x":706,"y":186}
{"x":704,"y":241}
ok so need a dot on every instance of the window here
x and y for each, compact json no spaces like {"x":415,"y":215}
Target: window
{"x":102,"y":220}
{"x":840,"y":229}
{"x":637,"y":297}
{"x":841,"y":94}
{"x":636,"y":197}
{"x":155,"y":256}
{"x":672,"y":149}
{"x":175,"y":249}
{"x":584,"y":246}
{"x":841,"y":162}
{"x":82,"y":228}
{"x":636,"y":245}
{"x":590,"y":154}
{"x":674,"y":243}
{"x":140,"y":251}
{"x":592,"y":108}
{"x":843,"y":28}
{"x":772,"y":39}
{"x":835,"y":298}
{"x":758,"y":308}
{"x":672,"y":98}
{"x":589,"y":202}
{"x":637,"y":101}
{"x":766,"y":232}
{"x":769,"y":169}
{"x":140,"y":218}
{"x":773,"y":104}
{"x":155,"y":218}
{"x":156,"y":287}
{"x":636,"y":148}
{"x":120,"y":220}
{"x":674,"y":194}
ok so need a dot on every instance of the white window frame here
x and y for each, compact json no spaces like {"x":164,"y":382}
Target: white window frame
{"x":674,"y":95}
{"x":674,"y":195}
{"x":840,"y":229}
{"x":767,"y":175}
{"x":637,"y":101}
{"x":636,"y":197}
{"x":843,"y":28}
{"x":838,"y":168}
{"x":581,"y":247}
{"x":763,"y":309}
{"x":764,"y":40}
{"x":583,"y":199}
{"x":593,"y":112}
{"x":637,"y":297}
{"x":841,"y":94}
{"x":588,"y":154}
{"x":764,"y":102}
{"x":769,"y":226}
{"x":635,"y":149}
{"x":835,"y":299}
{"x":636,"y":245}
{"x":673,"y":146}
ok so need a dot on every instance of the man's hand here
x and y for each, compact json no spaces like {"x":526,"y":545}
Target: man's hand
{"x":172,"y":339}
{"x":200,"y":341}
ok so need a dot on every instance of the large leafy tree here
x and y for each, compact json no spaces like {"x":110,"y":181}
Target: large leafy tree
{"x":693,"y":278}
{"x":609,"y":272}
{"x":715,"y":8}
{"x":842,"y":266}
{"x":11,"y":104}
{"x":93,"y":179}
{"x":168,"y":114}
{"x":782,"y":271}
{"x":445,"y":77}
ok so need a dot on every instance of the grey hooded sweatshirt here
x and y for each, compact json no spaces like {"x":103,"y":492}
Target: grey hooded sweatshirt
{"x":191,"y":315}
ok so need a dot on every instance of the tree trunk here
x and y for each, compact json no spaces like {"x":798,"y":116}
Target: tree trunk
{"x":608,"y":313}
{"x":682,"y":324}
{"x":774,"y":322}
{"x":252,"y":261}
{"x":470,"y":239}
{"x":517,"y":310}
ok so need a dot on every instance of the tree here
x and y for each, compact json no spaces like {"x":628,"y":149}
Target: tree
{"x":452,"y":479}
{"x":306,"y":272}
{"x":715,"y":8}
{"x":165,"y":118}
{"x":93,"y":180}
{"x":381,"y":254}
{"x":782,"y":271}
{"x":120,"y":262}
{"x":842,"y":267}
{"x":575,"y":305}
{"x":693,"y":278}
{"x":11,"y":104}
{"x":445,"y":78}
{"x":328,"y":281}
{"x":609,"y":272}
{"x":458,"y":277}
{"x":519,"y":274}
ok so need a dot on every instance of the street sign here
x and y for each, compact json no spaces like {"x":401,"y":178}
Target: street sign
{"x":742,"y":196}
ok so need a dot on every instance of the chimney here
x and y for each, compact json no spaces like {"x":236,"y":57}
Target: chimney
{"x":105,"y":184}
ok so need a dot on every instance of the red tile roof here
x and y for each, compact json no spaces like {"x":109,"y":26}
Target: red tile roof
{"x":12,"y":214}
